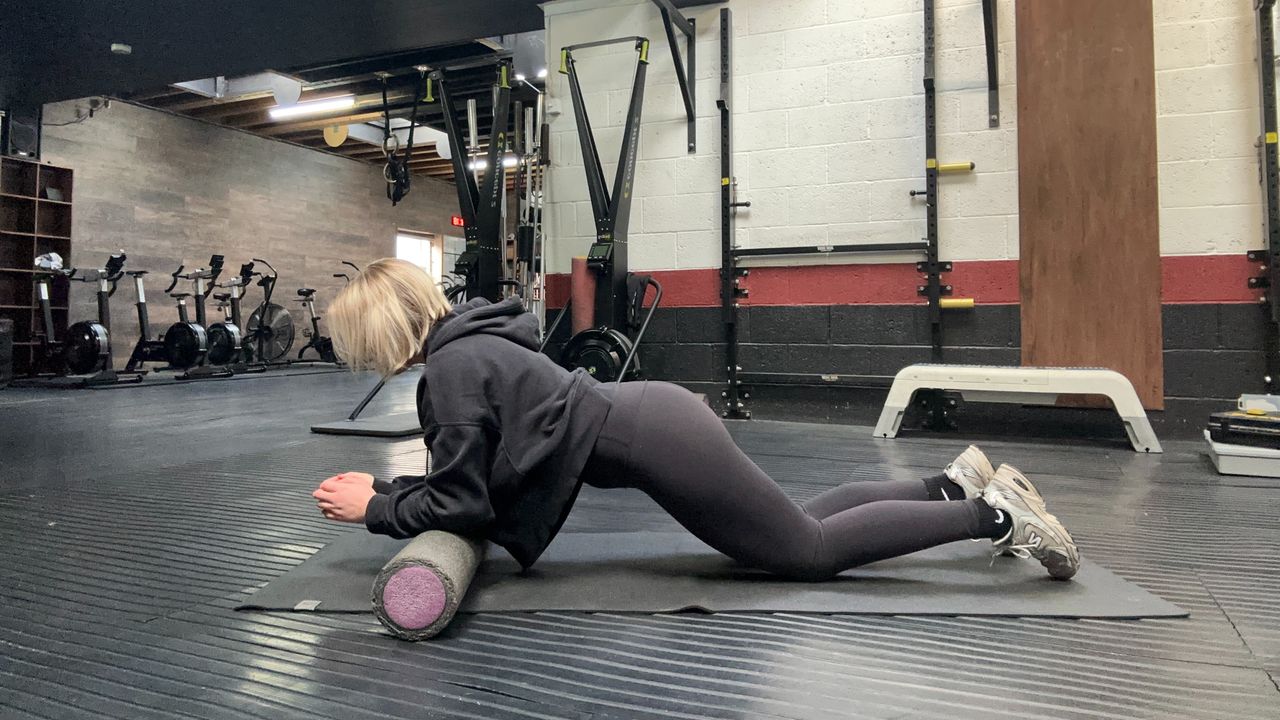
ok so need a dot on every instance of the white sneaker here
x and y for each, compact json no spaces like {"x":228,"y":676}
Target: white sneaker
{"x":971,"y":471}
{"x":1036,"y":533}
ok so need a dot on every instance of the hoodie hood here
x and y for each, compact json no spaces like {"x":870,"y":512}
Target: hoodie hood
{"x":506,"y":319}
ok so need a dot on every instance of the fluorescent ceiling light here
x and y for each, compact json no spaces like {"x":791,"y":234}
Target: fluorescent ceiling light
{"x":519,"y":77}
{"x":313,"y":107}
{"x":542,"y":73}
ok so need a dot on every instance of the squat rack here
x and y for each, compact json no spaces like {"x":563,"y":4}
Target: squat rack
{"x":1270,"y":160}
{"x":933,"y":289}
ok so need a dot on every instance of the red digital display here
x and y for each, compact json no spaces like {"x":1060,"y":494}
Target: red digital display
{"x":456,"y":220}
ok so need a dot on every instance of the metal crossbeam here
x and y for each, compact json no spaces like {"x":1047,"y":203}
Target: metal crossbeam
{"x":919,"y":246}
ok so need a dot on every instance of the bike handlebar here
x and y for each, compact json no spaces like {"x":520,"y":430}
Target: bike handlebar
{"x":177,"y":275}
{"x":269,"y":267}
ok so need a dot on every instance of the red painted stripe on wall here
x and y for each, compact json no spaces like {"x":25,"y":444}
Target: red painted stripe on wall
{"x":1207,"y":279}
{"x":1187,"y":279}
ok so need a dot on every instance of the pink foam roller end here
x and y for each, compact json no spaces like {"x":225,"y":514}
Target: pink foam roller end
{"x":414,"y":597}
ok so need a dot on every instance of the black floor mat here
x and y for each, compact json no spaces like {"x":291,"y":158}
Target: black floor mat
{"x":670,"y":572}
{"x":403,"y":424}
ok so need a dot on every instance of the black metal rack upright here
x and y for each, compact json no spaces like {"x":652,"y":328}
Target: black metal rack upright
{"x":730,"y":274}
{"x":482,"y":203}
{"x":933,"y":290}
{"x":1270,"y":162}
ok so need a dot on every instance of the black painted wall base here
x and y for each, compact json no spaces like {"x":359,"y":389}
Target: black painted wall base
{"x":1212,"y":355}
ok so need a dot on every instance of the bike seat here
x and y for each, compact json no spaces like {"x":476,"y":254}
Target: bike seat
{"x":136,"y":273}
{"x":306,"y":292}
{"x":179,"y":296}
{"x":222,"y":297}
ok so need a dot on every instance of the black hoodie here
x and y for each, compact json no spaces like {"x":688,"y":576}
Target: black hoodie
{"x":509,"y":432}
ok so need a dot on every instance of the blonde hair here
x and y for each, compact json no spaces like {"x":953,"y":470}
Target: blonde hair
{"x":381,"y":320}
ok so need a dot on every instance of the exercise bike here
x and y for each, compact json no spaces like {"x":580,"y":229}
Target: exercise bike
{"x":270,"y":326}
{"x":227,"y":339}
{"x":322,"y":344}
{"x":147,"y":349}
{"x":186,"y":343}
{"x":86,"y":350}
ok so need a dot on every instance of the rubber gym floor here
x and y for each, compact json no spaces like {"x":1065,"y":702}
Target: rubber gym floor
{"x":132,"y":521}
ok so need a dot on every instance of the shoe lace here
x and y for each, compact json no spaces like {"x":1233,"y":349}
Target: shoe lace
{"x":1022,"y":551}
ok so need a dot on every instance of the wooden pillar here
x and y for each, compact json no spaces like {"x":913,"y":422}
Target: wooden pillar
{"x":1088,"y":193}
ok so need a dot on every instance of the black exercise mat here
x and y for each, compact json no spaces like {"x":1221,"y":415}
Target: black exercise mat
{"x":402,"y":424}
{"x":669,"y":572}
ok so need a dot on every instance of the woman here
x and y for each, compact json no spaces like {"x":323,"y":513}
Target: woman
{"x":513,"y":436}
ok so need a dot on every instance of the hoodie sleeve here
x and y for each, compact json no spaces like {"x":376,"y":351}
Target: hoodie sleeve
{"x":384,"y":487}
{"x":454,"y":498}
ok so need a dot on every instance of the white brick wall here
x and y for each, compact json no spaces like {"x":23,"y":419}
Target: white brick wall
{"x":829,"y":137}
{"x":1208,"y":125}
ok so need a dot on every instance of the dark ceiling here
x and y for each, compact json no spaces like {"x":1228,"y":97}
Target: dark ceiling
{"x":60,"y":50}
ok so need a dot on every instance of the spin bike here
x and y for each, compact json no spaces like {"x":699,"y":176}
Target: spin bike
{"x":226,"y":338}
{"x":186,"y":343}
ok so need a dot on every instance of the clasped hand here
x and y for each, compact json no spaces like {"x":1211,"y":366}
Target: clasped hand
{"x":344,"y":497}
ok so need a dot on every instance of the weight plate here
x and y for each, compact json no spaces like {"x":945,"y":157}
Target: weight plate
{"x":86,"y":348}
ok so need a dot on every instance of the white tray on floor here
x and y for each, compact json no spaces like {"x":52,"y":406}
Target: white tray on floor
{"x":1243,"y":459}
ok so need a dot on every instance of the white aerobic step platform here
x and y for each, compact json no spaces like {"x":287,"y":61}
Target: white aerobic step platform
{"x":1021,"y":386}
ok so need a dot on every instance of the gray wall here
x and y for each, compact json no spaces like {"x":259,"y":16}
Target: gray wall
{"x":173,"y":190}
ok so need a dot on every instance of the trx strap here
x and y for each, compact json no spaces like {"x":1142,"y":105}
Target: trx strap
{"x":397,"y":172}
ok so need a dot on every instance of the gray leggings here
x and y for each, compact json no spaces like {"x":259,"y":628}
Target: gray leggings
{"x":661,"y":439}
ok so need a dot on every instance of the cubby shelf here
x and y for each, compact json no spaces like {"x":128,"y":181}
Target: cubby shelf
{"x":29,"y":220}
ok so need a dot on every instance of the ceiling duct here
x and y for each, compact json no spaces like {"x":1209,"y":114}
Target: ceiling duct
{"x":422,"y":135}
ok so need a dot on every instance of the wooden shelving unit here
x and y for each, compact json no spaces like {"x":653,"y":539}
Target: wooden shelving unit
{"x":35,"y":218}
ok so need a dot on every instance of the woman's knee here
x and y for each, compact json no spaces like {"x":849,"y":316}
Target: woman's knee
{"x":804,"y":559}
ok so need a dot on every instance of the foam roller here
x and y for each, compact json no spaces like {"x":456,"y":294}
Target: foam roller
{"x":418,"y":592}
